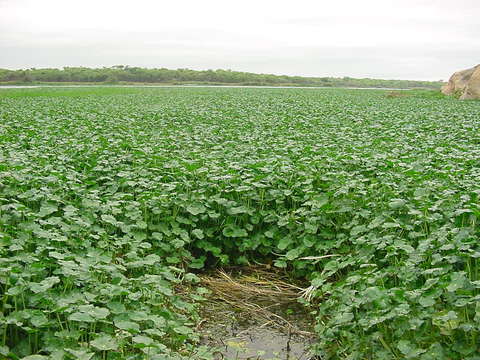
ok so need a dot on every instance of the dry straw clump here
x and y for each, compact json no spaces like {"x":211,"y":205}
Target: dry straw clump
{"x":258,"y":292}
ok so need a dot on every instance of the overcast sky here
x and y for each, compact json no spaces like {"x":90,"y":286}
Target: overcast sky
{"x":394,"y":39}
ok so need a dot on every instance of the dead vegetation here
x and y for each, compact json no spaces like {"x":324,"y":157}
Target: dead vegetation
{"x":396,"y":94}
{"x":261,"y":294}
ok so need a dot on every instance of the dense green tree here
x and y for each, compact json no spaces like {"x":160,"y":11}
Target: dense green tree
{"x":133,"y":74}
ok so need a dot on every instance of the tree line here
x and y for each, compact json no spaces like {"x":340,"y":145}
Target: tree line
{"x":127,"y":74}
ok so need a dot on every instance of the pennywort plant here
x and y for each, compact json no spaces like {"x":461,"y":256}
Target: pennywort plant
{"x":108,"y":201}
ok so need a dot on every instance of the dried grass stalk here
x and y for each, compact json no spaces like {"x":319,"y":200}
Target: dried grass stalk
{"x":256,"y":292}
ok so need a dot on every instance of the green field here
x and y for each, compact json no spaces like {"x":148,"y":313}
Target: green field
{"x":111,"y":199}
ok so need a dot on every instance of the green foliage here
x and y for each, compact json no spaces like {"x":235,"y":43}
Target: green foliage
{"x":107,"y":203}
{"x":128,"y":74}
{"x":427,"y":94}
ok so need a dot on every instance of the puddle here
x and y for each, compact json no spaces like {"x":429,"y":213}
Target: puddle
{"x":260,"y":343}
{"x":254,"y":314}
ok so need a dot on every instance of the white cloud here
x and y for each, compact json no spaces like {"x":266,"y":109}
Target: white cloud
{"x":419,"y":39}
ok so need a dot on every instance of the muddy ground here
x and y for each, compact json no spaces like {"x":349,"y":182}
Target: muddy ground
{"x":251,"y":314}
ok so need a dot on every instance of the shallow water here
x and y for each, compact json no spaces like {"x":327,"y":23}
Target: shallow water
{"x":19,"y":86}
{"x":192,"y":86}
{"x":258,"y":342}
{"x":257,"y":329}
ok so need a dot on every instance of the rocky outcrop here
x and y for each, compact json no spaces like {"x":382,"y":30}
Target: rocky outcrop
{"x":465,"y":83}
{"x":473,"y":88}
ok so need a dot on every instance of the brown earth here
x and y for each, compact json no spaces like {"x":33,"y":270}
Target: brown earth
{"x":256,"y":313}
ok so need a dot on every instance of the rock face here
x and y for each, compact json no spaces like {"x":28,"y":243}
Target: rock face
{"x":466,"y":83}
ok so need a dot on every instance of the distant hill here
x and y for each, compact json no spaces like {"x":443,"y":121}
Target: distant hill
{"x":121,"y":74}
